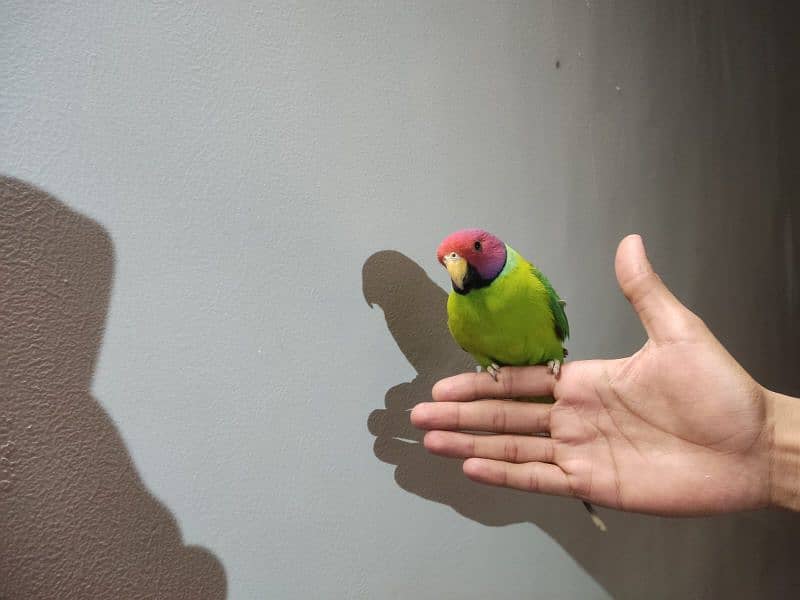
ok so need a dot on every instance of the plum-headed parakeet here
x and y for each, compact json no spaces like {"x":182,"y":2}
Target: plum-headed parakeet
{"x":502,"y":309}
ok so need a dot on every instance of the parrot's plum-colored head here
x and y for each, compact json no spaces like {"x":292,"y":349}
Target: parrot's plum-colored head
{"x":473,"y":257}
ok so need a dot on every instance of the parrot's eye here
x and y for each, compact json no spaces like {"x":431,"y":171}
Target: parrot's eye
{"x":477,"y":246}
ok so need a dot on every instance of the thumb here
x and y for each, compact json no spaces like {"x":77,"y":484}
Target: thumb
{"x":662,"y":315}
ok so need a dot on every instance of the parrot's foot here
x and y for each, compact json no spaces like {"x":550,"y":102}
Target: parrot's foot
{"x":493,"y":370}
{"x":554,"y":367}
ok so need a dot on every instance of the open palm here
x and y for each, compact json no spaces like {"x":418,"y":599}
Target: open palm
{"x":678,"y":428}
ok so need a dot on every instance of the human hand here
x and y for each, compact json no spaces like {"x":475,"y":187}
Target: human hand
{"x":678,"y":428}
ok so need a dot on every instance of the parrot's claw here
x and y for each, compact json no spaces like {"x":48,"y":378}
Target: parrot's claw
{"x":493,"y":370}
{"x":554,"y":367}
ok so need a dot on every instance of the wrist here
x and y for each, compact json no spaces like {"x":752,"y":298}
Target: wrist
{"x":783,"y":425}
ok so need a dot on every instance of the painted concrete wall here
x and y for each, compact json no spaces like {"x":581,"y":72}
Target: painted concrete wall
{"x":219,"y":295}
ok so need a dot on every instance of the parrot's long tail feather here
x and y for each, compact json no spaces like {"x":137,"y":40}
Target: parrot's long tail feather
{"x":598,"y":522}
{"x":595,"y":517}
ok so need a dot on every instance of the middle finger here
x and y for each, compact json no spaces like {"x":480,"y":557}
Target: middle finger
{"x":510,"y":448}
{"x":498,"y":416}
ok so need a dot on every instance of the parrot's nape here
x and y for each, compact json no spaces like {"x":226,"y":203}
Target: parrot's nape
{"x":502,"y":309}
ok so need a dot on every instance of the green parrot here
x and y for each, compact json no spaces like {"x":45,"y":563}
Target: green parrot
{"x":502,"y":309}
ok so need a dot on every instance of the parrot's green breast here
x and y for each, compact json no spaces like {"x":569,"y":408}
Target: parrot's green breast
{"x":516,"y":320}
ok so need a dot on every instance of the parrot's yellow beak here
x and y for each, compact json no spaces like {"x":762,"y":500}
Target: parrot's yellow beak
{"x":457,"y":267}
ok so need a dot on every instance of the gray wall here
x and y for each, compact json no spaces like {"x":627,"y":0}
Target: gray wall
{"x":219,"y":291}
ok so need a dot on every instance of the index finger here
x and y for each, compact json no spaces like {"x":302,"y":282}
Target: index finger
{"x":512,"y":382}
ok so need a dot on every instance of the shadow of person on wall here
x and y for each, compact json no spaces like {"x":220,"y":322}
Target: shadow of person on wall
{"x":76,"y":519}
{"x":640,"y":556}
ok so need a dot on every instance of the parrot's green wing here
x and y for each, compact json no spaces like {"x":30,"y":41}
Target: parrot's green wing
{"x":556,"y":306}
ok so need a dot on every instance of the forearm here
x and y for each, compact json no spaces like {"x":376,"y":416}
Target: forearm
{"x":783,"y":417}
